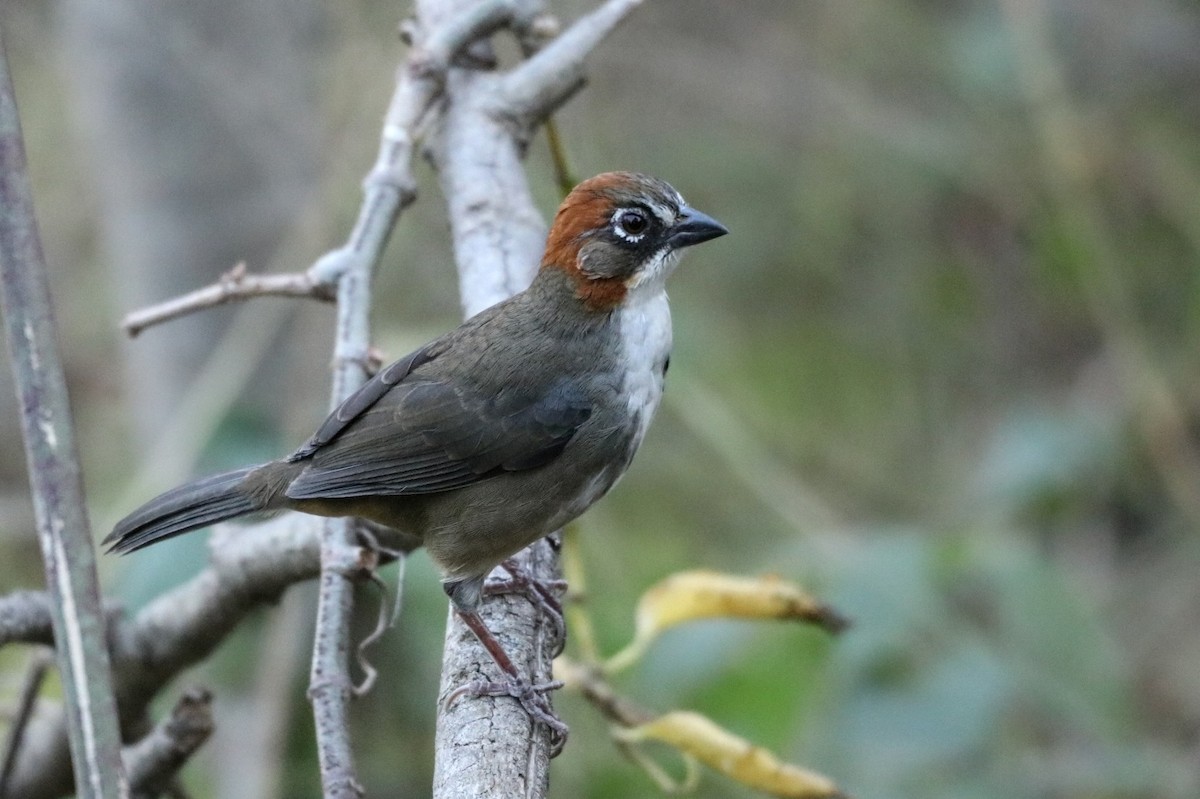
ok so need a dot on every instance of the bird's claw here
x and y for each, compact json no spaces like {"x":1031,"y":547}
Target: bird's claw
{"x":533,"y":698}
{"x":540,"y":592}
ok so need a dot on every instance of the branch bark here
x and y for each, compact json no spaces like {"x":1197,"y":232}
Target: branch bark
{"x":249,"y":567}
{"x":155,"y":760}
{"x":389,"y":188}
{"x":53,"y":464}
{"x":235,"y":285}
{"x":489,"y":746}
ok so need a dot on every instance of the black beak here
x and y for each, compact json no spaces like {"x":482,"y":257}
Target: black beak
{"x":694,"y":227}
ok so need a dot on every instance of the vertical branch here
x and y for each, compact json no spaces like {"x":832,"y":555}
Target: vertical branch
{"x":490,"y":747}
{"x":387,"y":190}
{"x":53,"y":464}
{"x":330,"y":686}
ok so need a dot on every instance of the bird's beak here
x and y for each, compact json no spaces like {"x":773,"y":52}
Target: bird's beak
{"x":694,"y":227}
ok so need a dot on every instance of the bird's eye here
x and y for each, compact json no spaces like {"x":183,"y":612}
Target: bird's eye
{"x":631,"y":224}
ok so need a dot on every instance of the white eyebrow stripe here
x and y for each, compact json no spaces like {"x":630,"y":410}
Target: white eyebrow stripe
{"x":664,"y":214}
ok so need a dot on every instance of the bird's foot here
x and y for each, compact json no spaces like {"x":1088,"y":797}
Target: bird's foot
{"x":534,"y":697}
{"x":542,"y":593}
{"x":534,"y":700}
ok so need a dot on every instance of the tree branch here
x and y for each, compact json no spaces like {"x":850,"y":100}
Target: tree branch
{"x":249,"y":567}
{"x":54,"y":476}
{"x":388,"y":188}
{"x":489,"y":746}
{"x":154,"y":761}
{"x":532,"y":91}
{"x":235,"y":285}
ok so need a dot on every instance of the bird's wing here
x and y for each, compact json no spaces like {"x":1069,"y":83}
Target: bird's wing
{"x":406,"y":433}
{"x":360,"y":401}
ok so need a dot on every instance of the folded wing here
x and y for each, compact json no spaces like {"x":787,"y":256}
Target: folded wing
{"x":403,"y":433}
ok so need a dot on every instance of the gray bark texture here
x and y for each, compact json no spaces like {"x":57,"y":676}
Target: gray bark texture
{"x":490,"y":747}
{"x":52,"y":460}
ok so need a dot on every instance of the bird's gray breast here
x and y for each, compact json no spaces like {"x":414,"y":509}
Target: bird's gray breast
{"x":641,"y":337}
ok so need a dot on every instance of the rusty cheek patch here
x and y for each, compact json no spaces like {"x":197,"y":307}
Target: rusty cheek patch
{"x":587,"y":208}
{"x":582,"y":212}
{"x":603,"y":294}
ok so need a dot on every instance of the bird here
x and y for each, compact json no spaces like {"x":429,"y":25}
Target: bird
{"x":501,"y":431}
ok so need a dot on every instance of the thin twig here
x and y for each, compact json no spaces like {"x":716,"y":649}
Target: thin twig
{"x":54,"y":472}
{"x":590,"y":682}
{"x":28,"y":700}
{"x":235,"y":285}
{"x":564,"y":176}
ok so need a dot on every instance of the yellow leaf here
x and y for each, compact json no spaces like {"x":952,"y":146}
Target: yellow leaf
{"x":692,"y":595}
{"x":697,"y":736}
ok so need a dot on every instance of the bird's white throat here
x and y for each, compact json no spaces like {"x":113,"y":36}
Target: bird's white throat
{"x":644,"y":322}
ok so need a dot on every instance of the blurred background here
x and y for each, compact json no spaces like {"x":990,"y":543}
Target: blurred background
{"x":944,"y":371}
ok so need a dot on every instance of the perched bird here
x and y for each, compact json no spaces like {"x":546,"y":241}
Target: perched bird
{"x":503,"y":430}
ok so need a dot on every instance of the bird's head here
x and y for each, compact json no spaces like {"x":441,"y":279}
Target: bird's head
{"x":619,"y":234}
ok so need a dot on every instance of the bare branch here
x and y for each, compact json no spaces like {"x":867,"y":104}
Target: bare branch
{"x":498,"y":238}
{"x":155,"y":760}
{"x":249,"y":567}
{"x":16,"y":734}
{"x":532,"y":91}
{"x":54,"y":475}
{"x":26,"y":617}
{"x":235,"y":285}
{"x":388,"y":188}
{"x":330,"y":686}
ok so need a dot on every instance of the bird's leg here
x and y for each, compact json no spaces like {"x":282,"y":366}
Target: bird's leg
{"x":533,"y":697}
{"x":540,"y":592}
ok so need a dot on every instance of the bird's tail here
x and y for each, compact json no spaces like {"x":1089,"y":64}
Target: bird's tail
{"x":189,"y":507}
